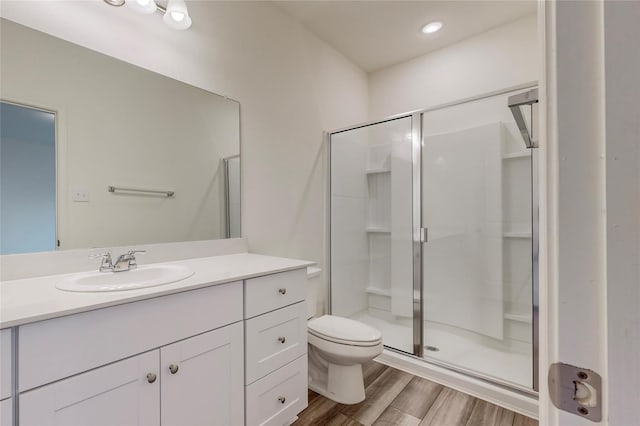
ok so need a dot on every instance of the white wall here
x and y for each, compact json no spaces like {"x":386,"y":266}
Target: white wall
{"x":499,"y":58}
{"x":291,"y":87}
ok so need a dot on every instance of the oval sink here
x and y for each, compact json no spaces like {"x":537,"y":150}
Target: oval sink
{"x":141,"y":277}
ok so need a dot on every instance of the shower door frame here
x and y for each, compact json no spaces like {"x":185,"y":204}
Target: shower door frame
{"x":420,"y":237}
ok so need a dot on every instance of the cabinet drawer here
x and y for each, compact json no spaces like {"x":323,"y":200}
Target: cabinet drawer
{"x":6,"y":412}
{"x":264,"y":294}
{"x":280,"y":396}
{"x":5,"y":363}
{"x":53,"y":349}
{"x":116,"y":394}
{"x":275,"y":339}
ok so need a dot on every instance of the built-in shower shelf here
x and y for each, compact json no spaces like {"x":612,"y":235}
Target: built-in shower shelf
{"x":520,"y":154}
{"x":516,"y":234}
{"x":526,"y":318}
{"x":378,"y":230}
{"x":378,"y":291}
{"x":376,"y":171}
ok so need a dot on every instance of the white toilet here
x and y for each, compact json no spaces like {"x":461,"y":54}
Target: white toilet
{"x":337,"y":349}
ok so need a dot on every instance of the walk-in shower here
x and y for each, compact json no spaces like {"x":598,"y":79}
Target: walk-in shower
{"x":434,"y":234}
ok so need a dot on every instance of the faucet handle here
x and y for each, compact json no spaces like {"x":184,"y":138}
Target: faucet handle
{"x":132,"y":257}
{"x":106,"y":263}
{"x":99,"y":255}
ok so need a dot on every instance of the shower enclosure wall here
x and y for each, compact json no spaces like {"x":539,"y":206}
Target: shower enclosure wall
{"x":433,"y":235}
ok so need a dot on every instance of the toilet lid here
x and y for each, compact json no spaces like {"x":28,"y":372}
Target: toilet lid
{"x":344,"y":329}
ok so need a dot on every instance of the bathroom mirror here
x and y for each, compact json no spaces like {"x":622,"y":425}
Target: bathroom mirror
{"x":138,"y":158}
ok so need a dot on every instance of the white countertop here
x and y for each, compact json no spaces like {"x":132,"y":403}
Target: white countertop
{"x":36,"y":299}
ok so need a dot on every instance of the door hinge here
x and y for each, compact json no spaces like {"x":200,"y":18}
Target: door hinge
{"x":576,"y":390}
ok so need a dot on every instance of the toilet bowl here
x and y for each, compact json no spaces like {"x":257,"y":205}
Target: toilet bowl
{"x":337,"y":349}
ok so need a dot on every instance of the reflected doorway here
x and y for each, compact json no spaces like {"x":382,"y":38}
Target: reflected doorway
{"x":27,"y":179}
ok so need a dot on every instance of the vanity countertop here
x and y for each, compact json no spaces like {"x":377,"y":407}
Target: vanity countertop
{"x":36,"y":299}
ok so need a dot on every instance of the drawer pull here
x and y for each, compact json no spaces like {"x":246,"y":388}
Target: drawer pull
{"x":282,"y":291}
{"x":174,"y":368}
{"x":282,"y":339}
{"x":151,"y":377}
{"x":282,"y":399}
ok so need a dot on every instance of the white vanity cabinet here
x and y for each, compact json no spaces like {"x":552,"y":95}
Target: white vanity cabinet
{"x":123,"y":393}
{"x":93,"y":368}
{"x":6,"y":412}
{"x":219,"y":353}
{"x":276,"y":355}
{"x":197,"y":381}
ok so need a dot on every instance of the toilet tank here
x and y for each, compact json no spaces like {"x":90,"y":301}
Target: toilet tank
{"x":313,"y":286}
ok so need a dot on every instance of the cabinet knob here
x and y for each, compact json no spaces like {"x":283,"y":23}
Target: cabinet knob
{"x":282,"y":291}
{"x":282,"y":339}
{"x":282,"y":399}
{"x":174,"y":368}
{"x":151,"y":377}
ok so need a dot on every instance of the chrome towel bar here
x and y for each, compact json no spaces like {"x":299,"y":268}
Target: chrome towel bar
{"x":142,"y":191}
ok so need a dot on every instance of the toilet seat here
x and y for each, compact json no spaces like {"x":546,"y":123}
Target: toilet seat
{"x":344,"y":331}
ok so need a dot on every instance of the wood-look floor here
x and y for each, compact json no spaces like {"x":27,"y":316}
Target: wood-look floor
{"x":394,"y":397}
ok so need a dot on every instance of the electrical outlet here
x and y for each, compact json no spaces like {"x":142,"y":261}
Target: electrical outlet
{"x":80,"y":194}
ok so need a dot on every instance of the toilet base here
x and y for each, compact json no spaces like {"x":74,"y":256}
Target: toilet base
{"x":340,"y":383}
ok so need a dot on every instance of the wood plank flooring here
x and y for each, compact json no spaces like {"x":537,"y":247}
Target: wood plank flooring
{"x":396,"y":398}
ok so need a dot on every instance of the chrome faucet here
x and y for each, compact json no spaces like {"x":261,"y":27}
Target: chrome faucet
{"x":124,"y":262}
{"x":105,"y":263}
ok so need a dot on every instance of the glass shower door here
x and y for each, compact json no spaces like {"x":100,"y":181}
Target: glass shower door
{"x":372,"y":228}
{"x":476,"y":190}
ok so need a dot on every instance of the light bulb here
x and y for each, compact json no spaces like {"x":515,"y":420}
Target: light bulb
{"x":146,"y":7}
{"x":177,"y":15}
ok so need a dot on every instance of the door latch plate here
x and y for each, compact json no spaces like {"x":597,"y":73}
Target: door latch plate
{"x":568,"y":383}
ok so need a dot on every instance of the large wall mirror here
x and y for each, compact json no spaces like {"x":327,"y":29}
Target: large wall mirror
{"x":96,"y":152}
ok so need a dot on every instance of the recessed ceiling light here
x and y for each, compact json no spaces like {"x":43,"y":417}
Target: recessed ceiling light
{"x":432,"y":27}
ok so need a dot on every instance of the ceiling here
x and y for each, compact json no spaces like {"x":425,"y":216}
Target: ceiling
{"x":376,"y":34}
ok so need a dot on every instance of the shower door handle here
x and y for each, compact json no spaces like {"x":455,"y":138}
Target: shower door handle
{"x":424,"y":235}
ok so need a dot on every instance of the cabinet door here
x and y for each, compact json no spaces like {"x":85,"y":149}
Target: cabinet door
{"x":6,"y":412}
{"x":203,"y":379}
{"x":116,"y":394}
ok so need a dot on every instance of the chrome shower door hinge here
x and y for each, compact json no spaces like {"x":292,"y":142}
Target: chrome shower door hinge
{"x":576,"y":390}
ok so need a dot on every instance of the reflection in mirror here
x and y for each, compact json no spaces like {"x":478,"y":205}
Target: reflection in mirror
{"x":122,"y":126}
{"x":232,"y":179}
{"x":27,"y":179}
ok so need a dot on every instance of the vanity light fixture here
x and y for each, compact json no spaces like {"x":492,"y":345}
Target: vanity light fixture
{"x":175,"y":14}
{"x":146,"y":7}
{"x":432,"y":27}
